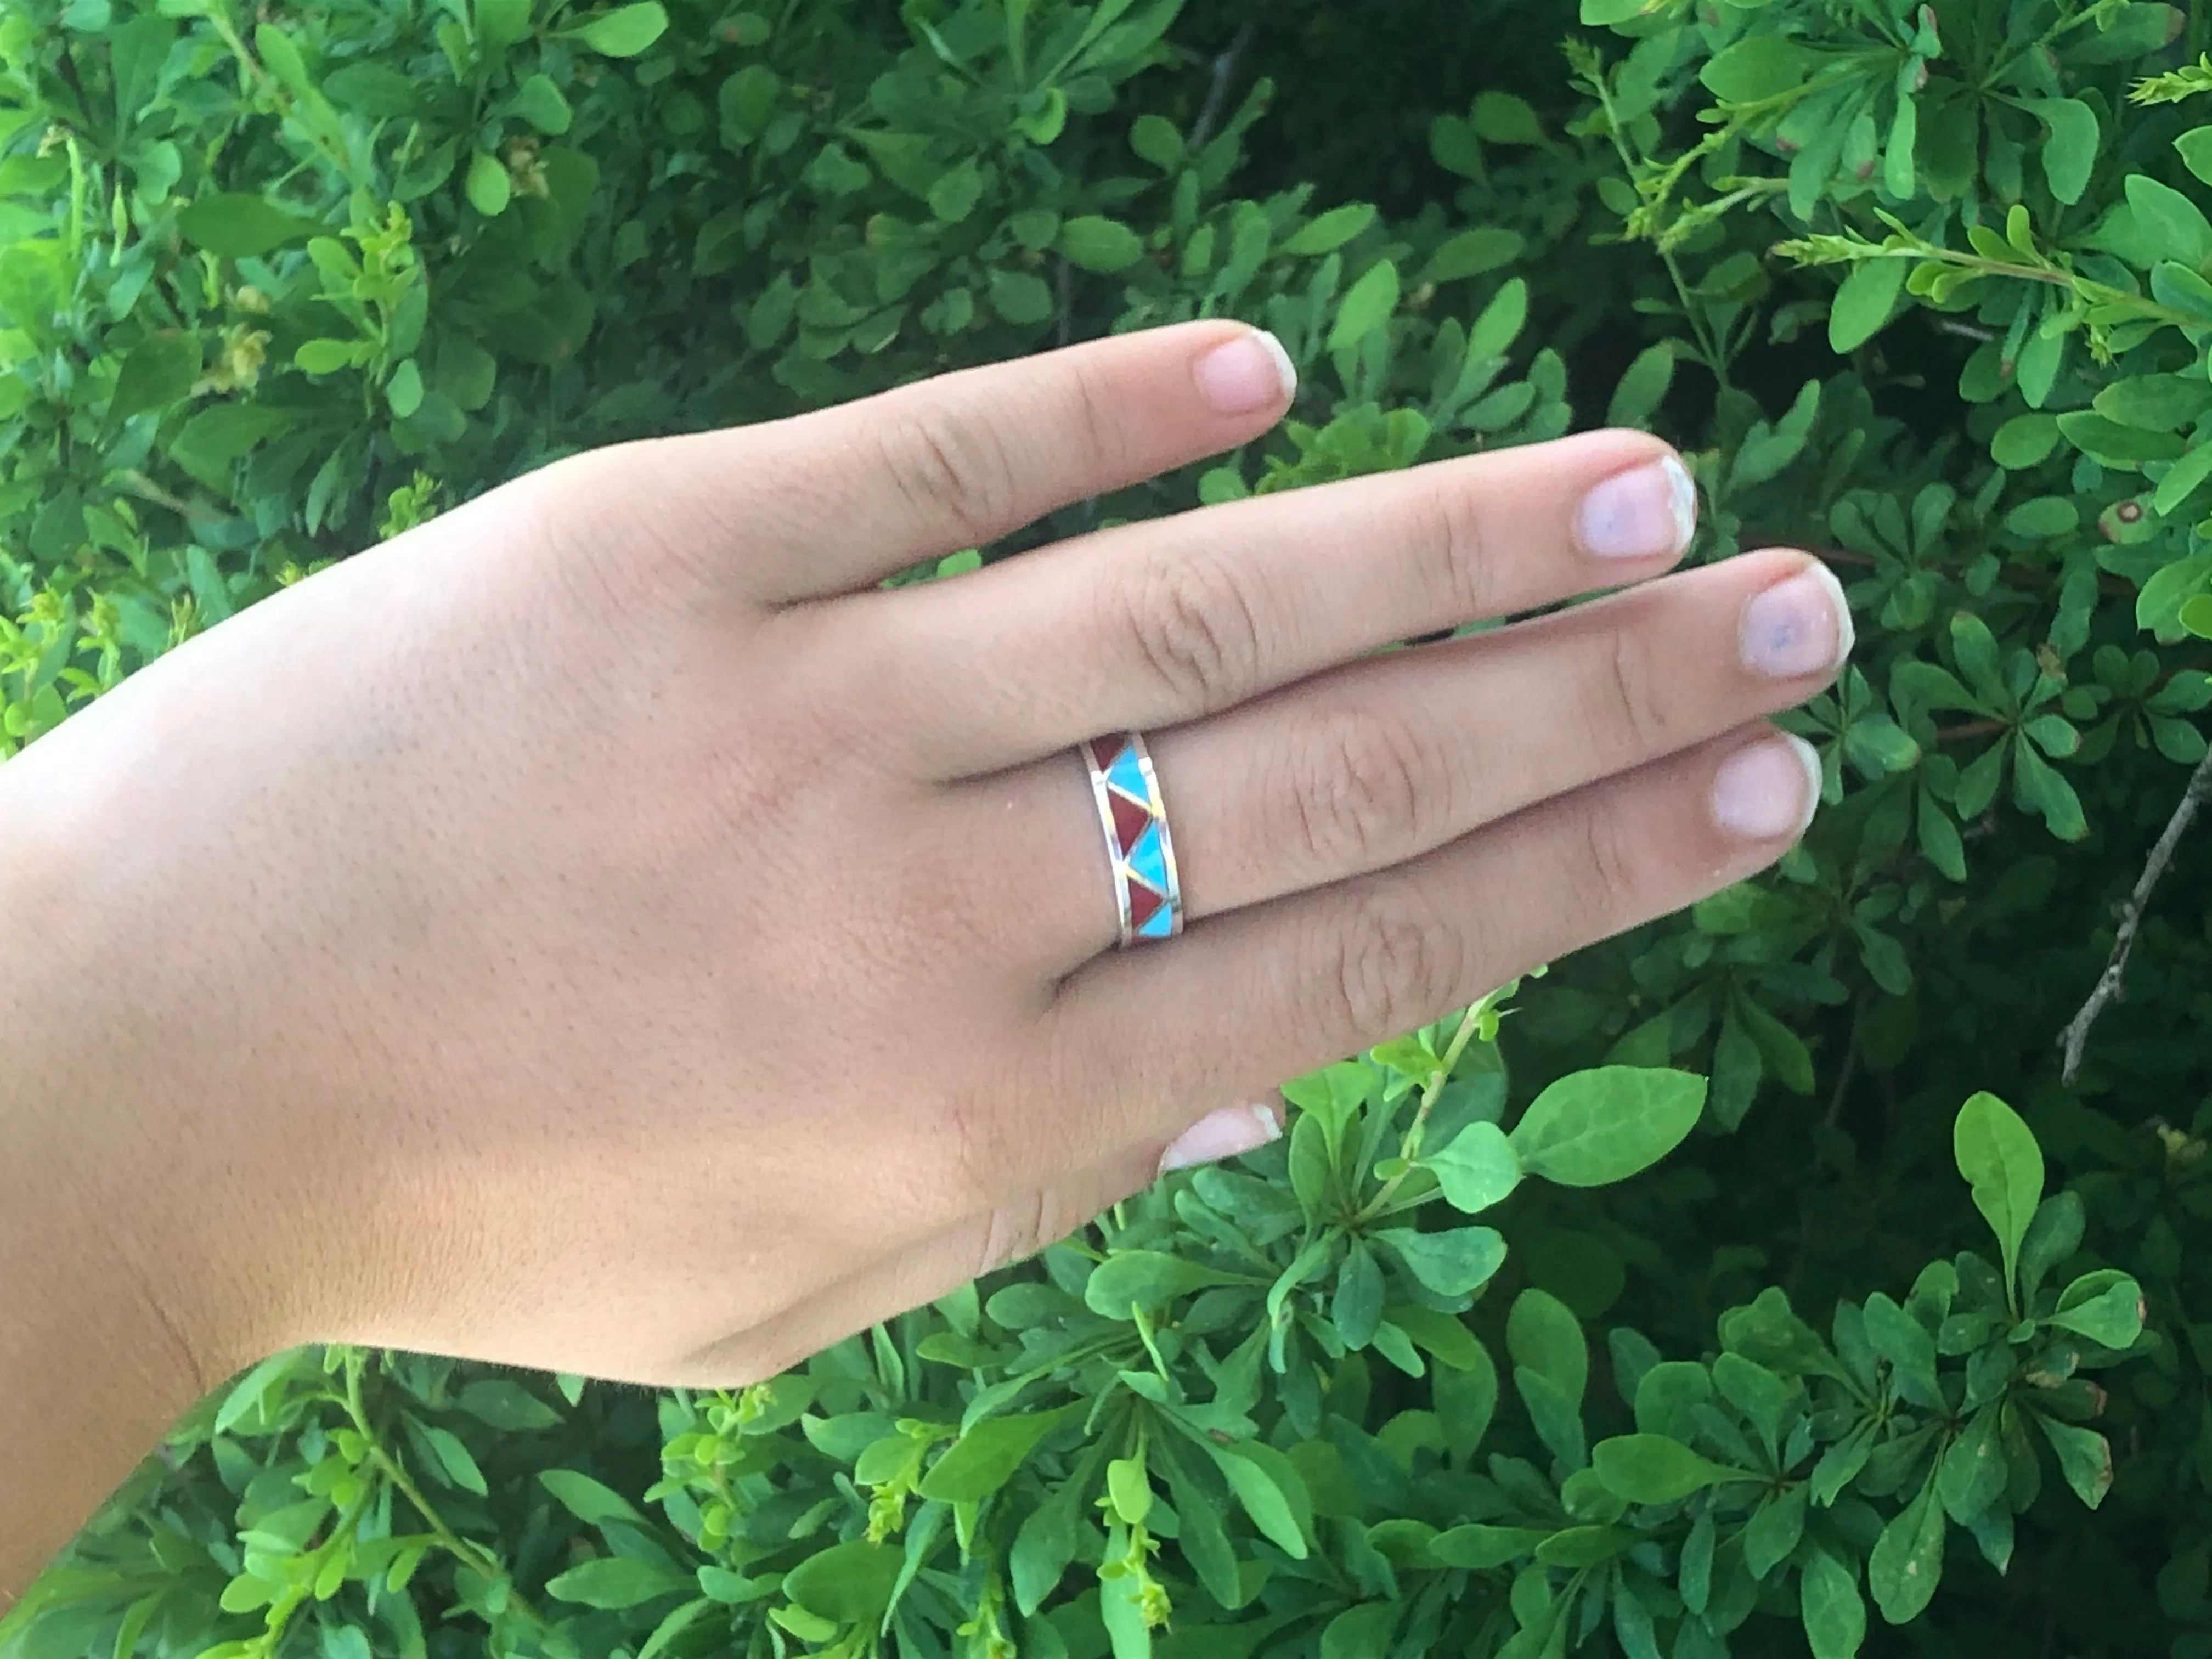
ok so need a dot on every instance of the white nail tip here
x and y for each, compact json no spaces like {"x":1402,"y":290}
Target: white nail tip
{"x":1846,"y":635}
{"x":1682,"y":497}
{"x":1815,"y":778}
{"x":1287,"y":370}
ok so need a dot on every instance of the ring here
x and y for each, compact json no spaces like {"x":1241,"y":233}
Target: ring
{"x":1147,"y":895}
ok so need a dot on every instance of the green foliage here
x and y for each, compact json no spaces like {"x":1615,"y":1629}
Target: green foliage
{"x":1926,"y":288}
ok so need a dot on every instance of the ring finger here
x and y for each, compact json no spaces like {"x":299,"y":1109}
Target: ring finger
{"x":1383,"y":761}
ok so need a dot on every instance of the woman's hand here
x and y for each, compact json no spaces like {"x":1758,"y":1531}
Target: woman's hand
{"x":603,"y":930}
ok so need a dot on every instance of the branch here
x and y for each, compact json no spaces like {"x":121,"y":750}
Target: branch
{"x":1224,"y":71}
{"x":2075,"y":1037}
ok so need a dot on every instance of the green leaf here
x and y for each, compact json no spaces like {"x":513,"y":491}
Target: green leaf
{"x":1543,"y":1335}
{"x":679,"y":1620}
{"x":403,"y":392}
{"x":1756,"y":67}
{"x":1367,"y":306}
{"x":2070,"y":152}
{"x":2024,"y":440}
{"x":1330,"y":232}
{"x":1258,"y":1490}
{"x":2109,"y":1312}
{"x":985,"y":1458}
{"x":2108,"y":440}
{"x":1128,"y":1279}
{"x":1596,"y":1127}
{"x":1500,"y":323}
{"x":539,"y":102}
{"x":1361,"y":1631}
{"x":847,"y":1583}
{"x":624,"y":32}
{"x":488,"y":185}
{"x":1828,"y":1601}
{"x":1997,"y":1155}
{"x":2085,"y":1458}
{"x":1456,"y":1262}
{"x":1644,"y":387}
{"x":956,"y":192}
{"x":1019,"y":297}
{"x":1156,"y":139}
{"x":619,"y":1581}
{"x":2170,"y":221}
{"x":588,"y":1500}
{"x":324,"y":356}
{"x":1651,"y":1468}
{"x":1502,"y":118}
{"x":160,"y":371}
{"x":1480,"y":1547}
{"x":239,"y":227}
{"x":1907,"y":1563}
{"x":1102,"y":244}
{"x":1477,"y":1169}
{"x":1863,"y":305}
{"x":2195,"y":146}
{"x":1471,"y":253}
{"x":1357,"y":1307}
{"x":506,"y":1405}
{"x":1973,"y":1472}
{"x":500,"y":23}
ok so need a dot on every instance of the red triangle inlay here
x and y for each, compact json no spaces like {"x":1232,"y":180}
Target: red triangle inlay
{"x":1103,"y":750}
{"x":1143,"y":904}
{"x":1130,"y":820}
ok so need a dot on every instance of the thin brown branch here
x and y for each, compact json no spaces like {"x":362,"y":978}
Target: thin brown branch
{"x":1970,"y":729}
{"x":2076,"y":1037}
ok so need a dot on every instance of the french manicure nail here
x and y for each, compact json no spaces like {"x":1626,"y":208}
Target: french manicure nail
{"x":1247,"y":374}
{"x":1647,"y":514}
{"x":1798,"y":627}
{"x":1220,"y":1134}
{"x":1771,"y":789}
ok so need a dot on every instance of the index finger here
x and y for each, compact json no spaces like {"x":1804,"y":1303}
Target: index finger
{"x":834,"y":501}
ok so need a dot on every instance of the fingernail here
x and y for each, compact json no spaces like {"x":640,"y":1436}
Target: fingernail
{"x":1798,"y":627}
{"x":1247,"y":374}
{"x":1224,"y":1133}
{"x":1648,"y":513}
{"x":1768,"y":790}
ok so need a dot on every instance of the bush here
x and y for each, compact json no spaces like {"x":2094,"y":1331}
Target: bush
{"x":1924,"y":287}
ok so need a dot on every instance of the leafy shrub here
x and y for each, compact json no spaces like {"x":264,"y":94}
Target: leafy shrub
{"x":1921,"y":286}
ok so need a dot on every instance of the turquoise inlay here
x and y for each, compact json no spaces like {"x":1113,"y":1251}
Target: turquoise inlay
{"x":1148,"y":861}
{"x":1124,"y":775}
{"x":1160,"y":924}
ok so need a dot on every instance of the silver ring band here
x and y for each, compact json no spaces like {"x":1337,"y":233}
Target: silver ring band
{"x":1148,"y":897}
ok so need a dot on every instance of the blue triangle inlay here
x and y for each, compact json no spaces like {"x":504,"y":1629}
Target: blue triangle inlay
{"x":1126,"y":775}
{"x":1147,"y":860}
{"x":1160,"y":924}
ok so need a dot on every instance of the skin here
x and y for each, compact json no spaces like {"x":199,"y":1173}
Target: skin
{"x":602,"y":930}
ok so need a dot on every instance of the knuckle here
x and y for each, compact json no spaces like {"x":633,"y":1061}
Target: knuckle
{"x":1608,"y":880}
{"x":950,"y":469}
{"x":1017,"y":1230}
{"x":1365,"y":790}
{"x":1453,"y":539}
{"x":1628,"y":717}
{"x":1193,"y":629}
{"x":1390,"y":964}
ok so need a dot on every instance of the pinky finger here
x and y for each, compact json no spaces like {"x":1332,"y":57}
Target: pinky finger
{"x":1248,"y":999}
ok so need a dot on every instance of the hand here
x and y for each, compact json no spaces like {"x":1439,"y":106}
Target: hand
{"x":603,"y":930}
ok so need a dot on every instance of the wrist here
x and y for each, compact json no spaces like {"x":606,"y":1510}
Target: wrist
{"x":126,"y":1283}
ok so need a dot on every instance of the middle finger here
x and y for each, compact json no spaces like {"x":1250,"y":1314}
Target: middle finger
{"x":1154,"y":623}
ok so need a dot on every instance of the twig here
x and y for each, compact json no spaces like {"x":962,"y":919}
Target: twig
{"x":1224,"y":71}
{"x":1850,"y":1072}
{"x":1970,"y":729}
{"x":2075,"y":1037}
